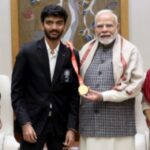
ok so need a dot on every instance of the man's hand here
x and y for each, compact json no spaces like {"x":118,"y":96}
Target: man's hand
{"x":70,"y":138}
{"x":93,"y":96}
{"x":29,"y":134}
{"x":147,"y":115}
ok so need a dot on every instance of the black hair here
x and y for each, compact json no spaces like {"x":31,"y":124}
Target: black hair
{"x":53,"y":10}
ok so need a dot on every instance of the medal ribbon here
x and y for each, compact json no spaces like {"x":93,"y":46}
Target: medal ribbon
{"x":74,"y":62}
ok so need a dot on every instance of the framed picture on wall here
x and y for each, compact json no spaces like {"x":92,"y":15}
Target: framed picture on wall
{"x":26,"y":25}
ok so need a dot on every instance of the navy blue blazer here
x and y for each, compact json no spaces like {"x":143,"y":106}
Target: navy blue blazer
{"x":32,"y":90}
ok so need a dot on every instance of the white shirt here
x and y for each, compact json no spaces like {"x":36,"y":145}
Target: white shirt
{"x":52,"y":58}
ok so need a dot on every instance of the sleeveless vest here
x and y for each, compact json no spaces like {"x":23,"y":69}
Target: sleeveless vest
{"x":105,"y":119}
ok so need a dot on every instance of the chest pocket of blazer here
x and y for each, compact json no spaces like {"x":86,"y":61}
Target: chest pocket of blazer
{"x":66,"y":76}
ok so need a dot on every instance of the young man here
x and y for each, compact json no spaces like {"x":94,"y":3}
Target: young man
{"x":44,"y":87}
{"x":112,"y":69}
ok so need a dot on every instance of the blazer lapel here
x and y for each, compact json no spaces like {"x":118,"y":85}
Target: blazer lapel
{"x":43,"y":59}
{"x":59,"y":63}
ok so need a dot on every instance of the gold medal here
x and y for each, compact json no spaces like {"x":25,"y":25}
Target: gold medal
{"x":83,"y":89}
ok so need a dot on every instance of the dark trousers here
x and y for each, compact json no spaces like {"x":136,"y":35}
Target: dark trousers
{"x":47,"y":137}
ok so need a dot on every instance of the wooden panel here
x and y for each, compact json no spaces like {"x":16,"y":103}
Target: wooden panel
{"x":124,"y":18}
{"x":14,"y":28}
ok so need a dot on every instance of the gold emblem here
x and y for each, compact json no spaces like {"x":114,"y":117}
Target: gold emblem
{"x":83,"y":89}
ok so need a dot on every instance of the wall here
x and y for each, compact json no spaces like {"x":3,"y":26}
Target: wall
{"x":139,"y":27}
{"x":5,"y":38}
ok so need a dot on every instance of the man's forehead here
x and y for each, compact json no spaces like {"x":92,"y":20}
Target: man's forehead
{"x":98,"y":22}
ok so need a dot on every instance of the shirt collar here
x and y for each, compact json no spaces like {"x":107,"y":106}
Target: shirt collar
{"x":49,"y":49}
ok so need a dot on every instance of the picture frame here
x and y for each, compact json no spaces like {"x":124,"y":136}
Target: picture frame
{"x":16,"y":33}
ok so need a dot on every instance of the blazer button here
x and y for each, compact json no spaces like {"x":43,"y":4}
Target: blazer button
{"x":97,"y":85}
{"x":102,"y":61}
{"x":96,"y":111}
{"x":99,"y":72}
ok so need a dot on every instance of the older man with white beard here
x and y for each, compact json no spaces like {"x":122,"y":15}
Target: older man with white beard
{"x":112,"y":70}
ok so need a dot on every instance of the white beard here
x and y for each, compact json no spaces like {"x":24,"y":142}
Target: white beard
{"x":108,"y":40}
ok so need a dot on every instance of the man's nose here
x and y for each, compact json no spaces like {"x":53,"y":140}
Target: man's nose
{"x":54,"y":26}
{"x":104,"y":28}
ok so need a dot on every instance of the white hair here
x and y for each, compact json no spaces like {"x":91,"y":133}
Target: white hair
{"x":105,"y":11}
